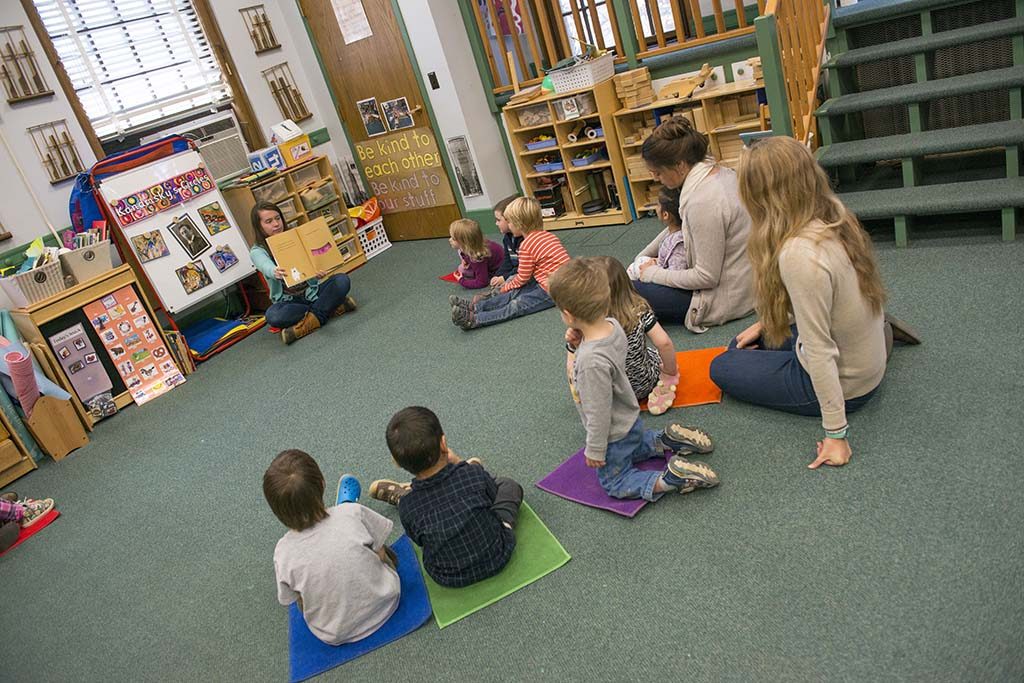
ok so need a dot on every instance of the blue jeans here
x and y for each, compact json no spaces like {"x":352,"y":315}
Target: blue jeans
{"x":330,"y":294}
{"x":772,"y":378}
{"x":516,"y":303}
{"x":619,"y":477}
{"x":668,"y":303}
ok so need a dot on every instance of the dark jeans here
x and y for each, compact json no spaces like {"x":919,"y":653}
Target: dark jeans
{"x":507,"y":500}
{"x":668,"y":303}
{"x":772,"y":378}
{"x":330,"y":295}
{"x":8,"y":534}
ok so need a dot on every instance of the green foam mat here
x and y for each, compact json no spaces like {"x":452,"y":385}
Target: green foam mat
{"x":537,"y":554}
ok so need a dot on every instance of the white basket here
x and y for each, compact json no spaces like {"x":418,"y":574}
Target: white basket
{"x":585,"y":75}
{"x":34,"y":285}
{"x":373,"y":239}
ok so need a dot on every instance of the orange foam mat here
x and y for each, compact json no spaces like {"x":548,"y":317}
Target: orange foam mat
{"x":695,"y":385}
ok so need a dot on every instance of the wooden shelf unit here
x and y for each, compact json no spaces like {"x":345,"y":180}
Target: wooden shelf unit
{"x":14,"y":458}
{"x":297,"y":180}
{"x":722,"y":113}
{"x":577,"y":189}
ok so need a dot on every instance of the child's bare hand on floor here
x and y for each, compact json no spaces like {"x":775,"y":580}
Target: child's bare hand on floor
{"x":594,"y":463}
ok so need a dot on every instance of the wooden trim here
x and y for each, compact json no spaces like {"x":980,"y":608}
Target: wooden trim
{"x":62,"y":78}
{"x":251,"y":129}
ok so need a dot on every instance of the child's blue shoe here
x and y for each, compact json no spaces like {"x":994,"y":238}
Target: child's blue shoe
{"x":687,"y":475}
{"x":685,"y":440}
{"x":348,"y":489}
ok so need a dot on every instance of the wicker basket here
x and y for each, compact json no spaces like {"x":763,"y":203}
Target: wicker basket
{"x":34,"y":285}
{"x":584,"y":75}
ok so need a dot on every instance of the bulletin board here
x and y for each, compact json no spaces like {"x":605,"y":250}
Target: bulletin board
{"x":178,"y":228}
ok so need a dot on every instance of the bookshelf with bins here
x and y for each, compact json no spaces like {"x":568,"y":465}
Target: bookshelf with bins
{"x":302,"y":192}
{"x":569,"y":175}
{"x":722,"y":113}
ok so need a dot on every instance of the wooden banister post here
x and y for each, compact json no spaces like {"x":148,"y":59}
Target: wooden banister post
{"x":766,"y":30}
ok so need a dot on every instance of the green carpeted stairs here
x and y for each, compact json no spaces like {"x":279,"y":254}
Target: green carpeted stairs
{"x":925,"y":113}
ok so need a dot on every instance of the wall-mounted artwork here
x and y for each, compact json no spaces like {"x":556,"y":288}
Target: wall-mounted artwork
{"x":282,"y":86}
{"x":370,"y":114}
{"x":19,"y":70}
{"x":56,"y":150}
{"x":257,"y":25}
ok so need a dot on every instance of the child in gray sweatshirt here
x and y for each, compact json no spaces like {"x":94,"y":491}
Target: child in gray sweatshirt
{"x":616,"y":438}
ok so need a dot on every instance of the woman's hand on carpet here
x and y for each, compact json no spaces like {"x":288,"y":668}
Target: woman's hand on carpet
{"x":747,"y":338}
{"x":834,"y":452}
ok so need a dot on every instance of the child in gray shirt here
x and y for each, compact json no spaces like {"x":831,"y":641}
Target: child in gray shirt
{"x":333,"y":561}
{"x":616,"y":438}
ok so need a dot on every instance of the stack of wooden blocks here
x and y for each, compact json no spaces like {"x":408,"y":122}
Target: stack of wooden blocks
{"x":635,"y":166}
{"x":642,"y":132}
{"x":755,"y":66}
{"x":634,"y":88}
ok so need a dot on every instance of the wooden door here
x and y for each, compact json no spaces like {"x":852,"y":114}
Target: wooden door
{"x":416,"y":204}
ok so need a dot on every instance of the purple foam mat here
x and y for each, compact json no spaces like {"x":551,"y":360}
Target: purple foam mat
{"x":575,"y":481}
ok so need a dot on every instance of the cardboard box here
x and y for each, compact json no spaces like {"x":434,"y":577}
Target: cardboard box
{"x":296,"y":150}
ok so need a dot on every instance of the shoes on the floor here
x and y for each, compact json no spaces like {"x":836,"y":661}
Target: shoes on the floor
{"x":454,"y":300}
{"x":347,"y":306}
{"x":463,"y":317}
{"x":685,"y":440}
{"x":35,"y":510}
{"x":902,"y":332}
{"x":663,"y":395}
{"x":388,"y":491}
{"x":348,"y":489}
{"x":308,"y":325}
{"x":475,"y":461}
{"x":10,"y":497}
{"x":688,"y":475}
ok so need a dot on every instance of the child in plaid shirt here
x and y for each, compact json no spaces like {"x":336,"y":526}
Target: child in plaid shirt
{"x":16,"y":515}
{"x":463,"y":518}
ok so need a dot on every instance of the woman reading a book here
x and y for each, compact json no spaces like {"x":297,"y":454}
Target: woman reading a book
{"x":695,"y":272}
{"x":300,"y":309}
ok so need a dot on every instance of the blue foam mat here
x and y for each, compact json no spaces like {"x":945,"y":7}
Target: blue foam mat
{"x":309,"y":656}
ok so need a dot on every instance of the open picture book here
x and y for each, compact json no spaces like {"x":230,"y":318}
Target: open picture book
{"x":304,"y":250}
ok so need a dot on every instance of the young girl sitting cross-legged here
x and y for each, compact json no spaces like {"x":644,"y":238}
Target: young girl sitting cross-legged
{"x":301,"y":309}
{"x":540,"y":255}
{"x":479,"y":258}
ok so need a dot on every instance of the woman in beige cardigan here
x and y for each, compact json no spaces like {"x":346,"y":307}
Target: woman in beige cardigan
{"x":709,"y":280}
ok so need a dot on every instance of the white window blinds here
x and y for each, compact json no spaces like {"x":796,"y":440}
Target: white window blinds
{"x":133,"y":62}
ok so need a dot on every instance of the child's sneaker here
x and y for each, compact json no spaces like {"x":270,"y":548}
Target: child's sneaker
{"x":348,"y":489}
{"x":685,"y":440}
{"x":388,"y":491}
{"x":463,"y":317}
{"x":454,"y":300}
{"x":687,"y":475}
{"x":10,"y":497}
{"x":475,"y":461}
{"x":35,"y":510}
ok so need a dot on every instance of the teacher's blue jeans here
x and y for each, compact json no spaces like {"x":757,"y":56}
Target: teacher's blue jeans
{"x":772,"y":378}
{"x":668,"y":303}
{"x":330,"y":294}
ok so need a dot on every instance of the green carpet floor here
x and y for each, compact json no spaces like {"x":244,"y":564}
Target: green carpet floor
{"x":904,"y":565}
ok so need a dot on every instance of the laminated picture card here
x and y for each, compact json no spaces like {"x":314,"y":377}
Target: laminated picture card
{"x":305,"y":250}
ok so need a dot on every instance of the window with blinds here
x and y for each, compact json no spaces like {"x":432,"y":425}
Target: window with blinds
{"x":133,"y":62}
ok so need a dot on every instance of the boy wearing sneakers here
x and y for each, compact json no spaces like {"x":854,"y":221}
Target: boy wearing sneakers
{"x":616,"y":438}
{"x":463,"y":518}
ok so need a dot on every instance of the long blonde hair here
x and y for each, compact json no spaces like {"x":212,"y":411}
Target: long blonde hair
{"x":466,"y":233}
{"x":624,"y":304}
{"x":784,"y":190}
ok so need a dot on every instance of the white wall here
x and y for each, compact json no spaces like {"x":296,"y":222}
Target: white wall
{"x":18,"y":212}
{"x":297,"y":50}
{"x":442,"y":46}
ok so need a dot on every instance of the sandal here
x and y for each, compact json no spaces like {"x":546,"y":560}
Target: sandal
{"x":348,"y":489}
{"x":663,"y":394}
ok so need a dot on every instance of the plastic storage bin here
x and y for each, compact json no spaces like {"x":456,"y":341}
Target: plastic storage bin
{"x":329,"y":212}
{"x":35,"y":285}
{"x":318,"y":195}
{"x":575,"y":107}
{"x":584,"y":75}
{"x":372,"y":238}
{"x":274,"y":191}
{"x":86,"y":263}
{"x":534,"y":115}
{"x":541,"y":144}
{"x":306,"y":176}
{"x":549,"y":167}
{"x":288,"y":208}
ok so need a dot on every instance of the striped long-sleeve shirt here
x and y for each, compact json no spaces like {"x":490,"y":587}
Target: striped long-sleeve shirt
{"x":540,"y":254}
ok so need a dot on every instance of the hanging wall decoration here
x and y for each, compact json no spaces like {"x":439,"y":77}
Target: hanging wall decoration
{"x":282,"y":87}
{"x":56,"y":150}
{"x":257,"y":25}
{"x":19,"y":71}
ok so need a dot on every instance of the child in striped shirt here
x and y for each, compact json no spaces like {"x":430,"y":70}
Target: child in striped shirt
{"x":540,"y":255}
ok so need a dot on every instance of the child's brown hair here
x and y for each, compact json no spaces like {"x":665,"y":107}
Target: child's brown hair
{"x":580,"y":288}
{"x":466,"y":233}
{"x":294,"y":488}
{"x":524,"y":213}
{"x":503,"y":204}
{"x":668,"y":201}
{"x":624,"y":303}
